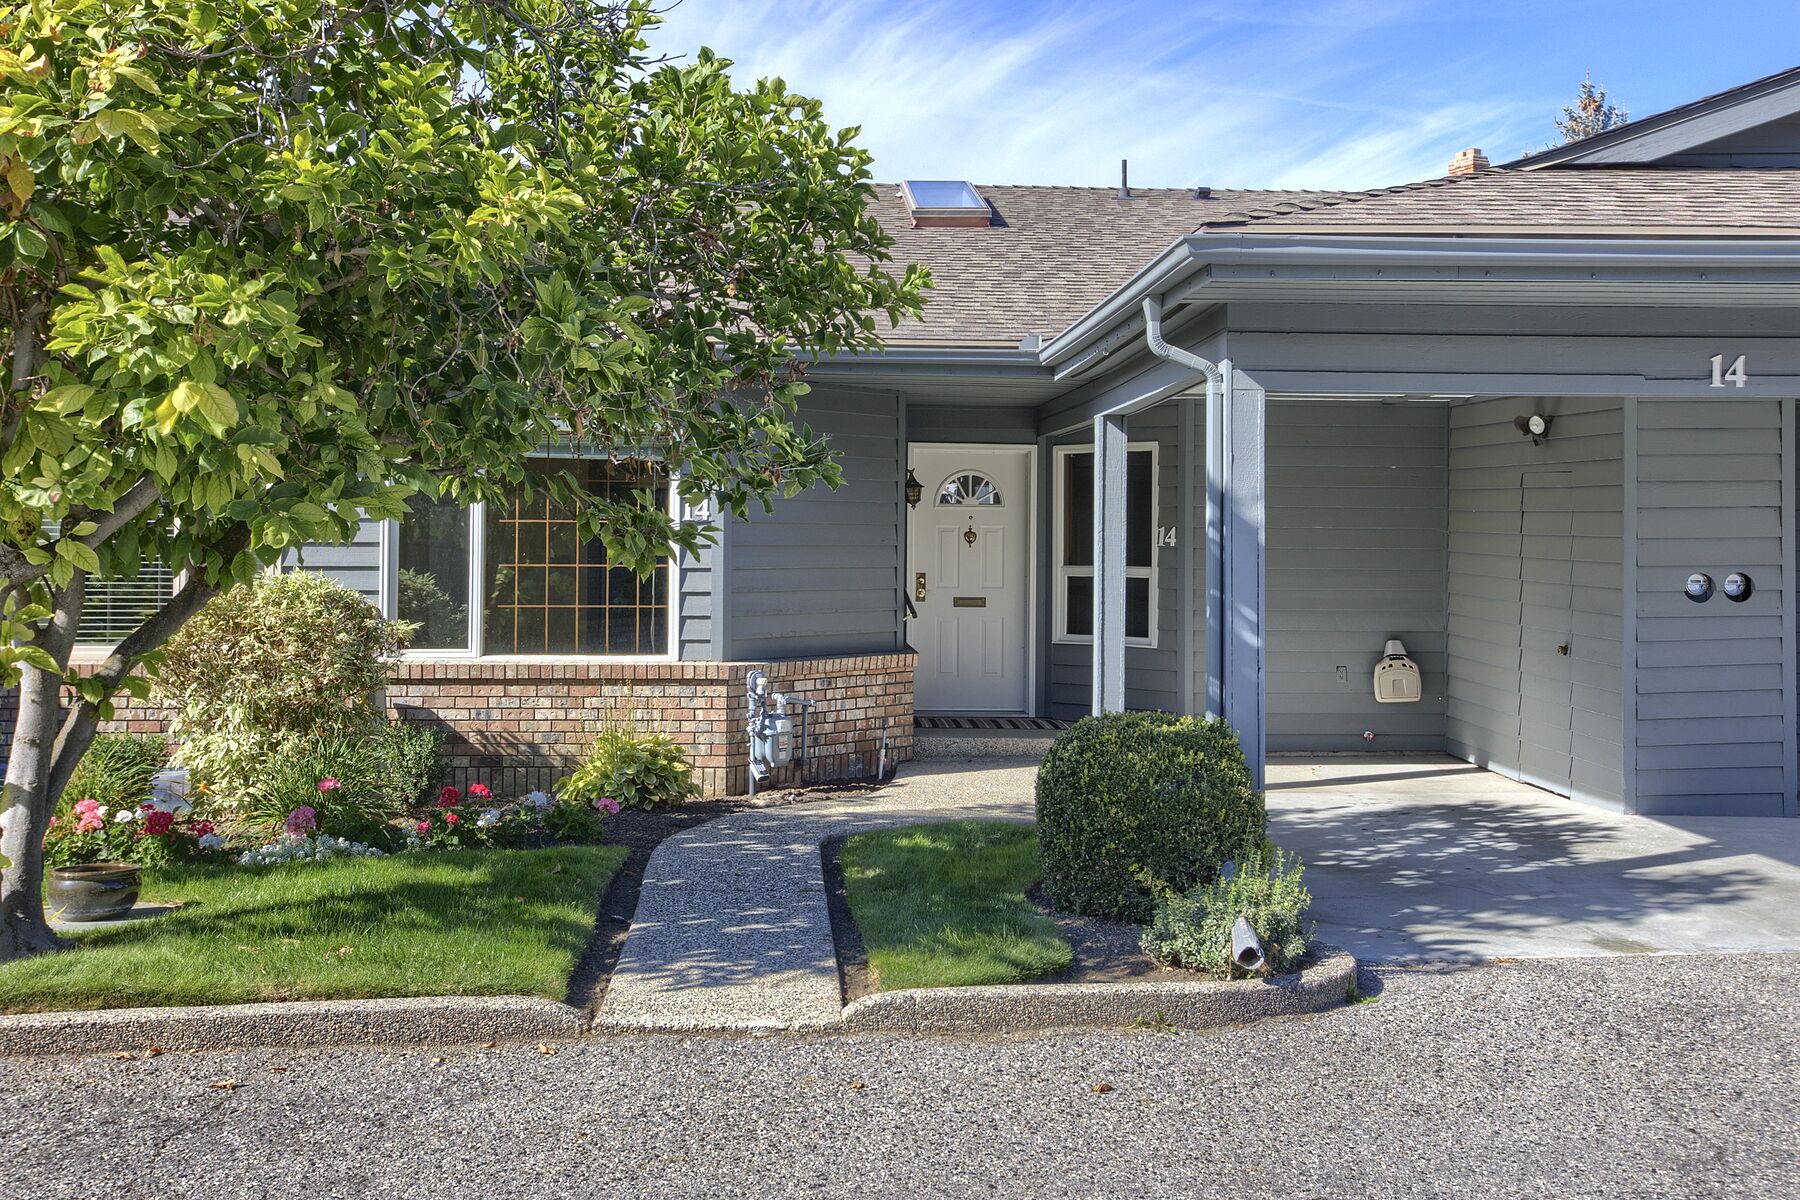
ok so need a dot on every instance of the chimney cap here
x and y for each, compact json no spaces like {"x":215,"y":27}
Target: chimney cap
{"x":1467,"y":162}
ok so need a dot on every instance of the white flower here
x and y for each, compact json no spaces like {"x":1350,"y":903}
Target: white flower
{"x":489,"y":818}
{"x":102,"y":811}
{"x":539,"y":800}
{"x":123,"y":816}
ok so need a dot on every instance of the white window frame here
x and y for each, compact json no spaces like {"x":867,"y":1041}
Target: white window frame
{"x":474,"y":650}
{"x":1061,"y":573}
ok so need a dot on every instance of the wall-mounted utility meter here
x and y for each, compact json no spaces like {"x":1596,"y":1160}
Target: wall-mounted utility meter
{"x":1396,"y":676}
{"x":1737,"y":587}
{"x":1699,"y":587}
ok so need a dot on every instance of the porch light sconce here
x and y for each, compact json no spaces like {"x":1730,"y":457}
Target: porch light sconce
{"x":1536,"y":427}
{"x":915,"y":491}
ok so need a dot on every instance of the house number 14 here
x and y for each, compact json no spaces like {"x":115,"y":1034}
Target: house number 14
{"x":1735,"y":374}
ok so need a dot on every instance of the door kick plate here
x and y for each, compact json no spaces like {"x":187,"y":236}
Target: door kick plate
{"x":968,"y":602}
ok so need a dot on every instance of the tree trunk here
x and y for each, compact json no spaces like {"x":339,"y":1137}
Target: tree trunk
{"x":23,"y":929}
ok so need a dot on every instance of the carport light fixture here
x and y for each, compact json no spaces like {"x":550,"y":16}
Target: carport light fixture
{"x":915,"y":491}
{"x":1536,"y":427}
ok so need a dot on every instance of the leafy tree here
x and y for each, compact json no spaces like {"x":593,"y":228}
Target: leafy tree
{"x":267,"y":265}
{"x":1591,"y":113}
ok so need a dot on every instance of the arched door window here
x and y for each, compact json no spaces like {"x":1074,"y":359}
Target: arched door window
{"x":969,"y":488}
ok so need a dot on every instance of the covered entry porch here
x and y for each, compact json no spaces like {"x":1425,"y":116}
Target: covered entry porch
{"x":1531,"y":547}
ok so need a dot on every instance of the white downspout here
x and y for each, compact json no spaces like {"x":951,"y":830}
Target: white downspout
{"x":1213,"y":425}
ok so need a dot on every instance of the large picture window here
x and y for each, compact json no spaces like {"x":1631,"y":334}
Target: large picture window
{"x":1074,"y":520}
{"x":538,"y":587}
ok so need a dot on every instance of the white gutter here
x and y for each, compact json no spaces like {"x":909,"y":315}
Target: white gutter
{"x":1213,"y":262}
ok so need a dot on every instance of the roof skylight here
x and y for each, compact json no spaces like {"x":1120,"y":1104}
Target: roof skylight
{"x":944,"y":202}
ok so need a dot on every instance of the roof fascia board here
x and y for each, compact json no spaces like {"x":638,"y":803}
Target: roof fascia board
{"x":1462,"y":263}
{"x":1679,"y":129}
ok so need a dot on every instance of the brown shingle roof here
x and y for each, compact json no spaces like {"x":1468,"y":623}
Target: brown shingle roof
{"x":1653,"y":201}
{"x":1055,"y":253}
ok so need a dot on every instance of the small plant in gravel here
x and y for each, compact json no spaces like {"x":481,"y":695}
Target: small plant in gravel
{"x":1193,"y":930}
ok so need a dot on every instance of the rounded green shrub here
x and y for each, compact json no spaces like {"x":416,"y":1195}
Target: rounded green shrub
{"x":281,"y":660}
{"x":1127,"y":799}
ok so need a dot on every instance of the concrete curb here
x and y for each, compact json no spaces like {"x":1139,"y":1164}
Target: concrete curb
{"x":1025,"y":1007}
{"x":406,"y":1021}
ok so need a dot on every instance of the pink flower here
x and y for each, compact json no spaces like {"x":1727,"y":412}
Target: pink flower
{"x":608,"y":805}
{"x":53,"y":821}
{"x":449,"y":797}
{"x":157,"y":822}
{"x":88,"y":807}
{"x":90,"y":820}
{"x":479,"y":791}
{"x":200,"y":828}
{"x":450,"y":818}
{"x":329,"y":784}
{"x":424,"y":826}
{"x":302,"y":821}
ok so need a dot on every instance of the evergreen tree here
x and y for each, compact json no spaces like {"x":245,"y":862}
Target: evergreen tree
{"x":1590,"y":114}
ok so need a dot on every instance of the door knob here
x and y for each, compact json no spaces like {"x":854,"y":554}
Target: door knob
{"x":1563,"y":649}
{"x":919,"y":586}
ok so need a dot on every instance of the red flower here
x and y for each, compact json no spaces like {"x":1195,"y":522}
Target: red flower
{"x":200,"y":828}
{"x":449,"y":797}
{"x":424,"y":826}
{"x":449,"y":818}
{"x":157,"y":822}
{"x":479,"y":791}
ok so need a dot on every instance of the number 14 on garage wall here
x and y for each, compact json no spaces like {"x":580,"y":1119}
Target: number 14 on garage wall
{"x":1735,"y":374}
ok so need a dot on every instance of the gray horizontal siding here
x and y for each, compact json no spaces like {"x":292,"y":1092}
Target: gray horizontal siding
{"x":821,"y":574}
{"x":1714,"y":704}
{"x":970,"y":423}
{"x":1356,"y":555}
{"x":1553,"y":721}
{"x":356,"y":564}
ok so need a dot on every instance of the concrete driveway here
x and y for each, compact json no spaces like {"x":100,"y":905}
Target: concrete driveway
{"x":1427,"y":858}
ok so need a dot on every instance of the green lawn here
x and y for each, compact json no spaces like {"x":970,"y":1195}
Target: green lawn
{"x":470,"y":922}
{"x":944,"y":905}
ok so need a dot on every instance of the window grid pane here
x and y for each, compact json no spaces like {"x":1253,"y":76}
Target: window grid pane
{"x":551,"y":593}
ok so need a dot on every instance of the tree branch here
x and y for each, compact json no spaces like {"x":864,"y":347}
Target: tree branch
{"x":16,"y":573}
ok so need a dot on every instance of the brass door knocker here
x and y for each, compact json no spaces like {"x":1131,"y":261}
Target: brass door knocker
{"x":969,"y":534}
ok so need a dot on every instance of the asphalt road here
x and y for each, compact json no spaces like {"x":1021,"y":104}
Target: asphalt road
{"x":1594,"y":1077}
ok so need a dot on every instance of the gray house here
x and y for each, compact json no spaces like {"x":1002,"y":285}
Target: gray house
{"x":1212,"y":451}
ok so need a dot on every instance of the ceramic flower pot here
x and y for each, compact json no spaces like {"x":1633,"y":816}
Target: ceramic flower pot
{"x":93,"y":891}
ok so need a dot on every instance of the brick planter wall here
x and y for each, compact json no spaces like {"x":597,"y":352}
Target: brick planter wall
{"x":522,"y":725}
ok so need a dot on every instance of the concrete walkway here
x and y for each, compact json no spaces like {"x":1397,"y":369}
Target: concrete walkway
{"x":1408,"y":859}
{"x":731,"y":930}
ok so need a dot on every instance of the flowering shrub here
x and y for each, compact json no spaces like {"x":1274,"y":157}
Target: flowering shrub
{"x":291,"y":849}
{"x":451,"y":824}
{"x":155,"y":833}
{"x":356,"y":785}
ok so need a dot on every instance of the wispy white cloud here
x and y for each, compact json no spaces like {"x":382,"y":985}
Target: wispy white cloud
{"x":1245,"y":94}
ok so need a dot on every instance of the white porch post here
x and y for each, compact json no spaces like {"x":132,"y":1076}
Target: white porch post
{"x":1241,"y":525}
{"x":1109,"y":564}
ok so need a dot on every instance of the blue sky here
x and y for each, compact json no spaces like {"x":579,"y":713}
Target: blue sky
{"x":1238,"y":93}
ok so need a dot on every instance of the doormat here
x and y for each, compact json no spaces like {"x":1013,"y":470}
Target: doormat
{"x":1033,"y":723}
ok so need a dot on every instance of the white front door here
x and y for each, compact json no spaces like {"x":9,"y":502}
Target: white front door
{"x":970,"y":578}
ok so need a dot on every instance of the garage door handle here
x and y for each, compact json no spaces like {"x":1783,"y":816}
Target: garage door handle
{"x":1563,"y":649}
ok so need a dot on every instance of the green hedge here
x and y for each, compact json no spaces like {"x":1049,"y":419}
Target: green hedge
{"x":1126,"y":798}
